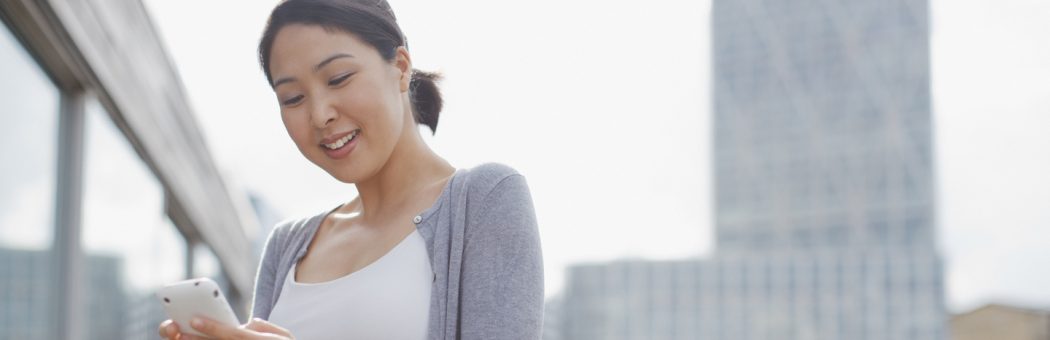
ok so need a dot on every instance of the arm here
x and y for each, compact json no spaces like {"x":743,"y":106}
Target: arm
{"x":262,"y":298}
{"x":501,"y":293}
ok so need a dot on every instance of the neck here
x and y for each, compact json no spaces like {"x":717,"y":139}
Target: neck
{"x":411,"y":169}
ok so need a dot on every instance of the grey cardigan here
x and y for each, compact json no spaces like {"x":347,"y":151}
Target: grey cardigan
{"x":484,"y":247}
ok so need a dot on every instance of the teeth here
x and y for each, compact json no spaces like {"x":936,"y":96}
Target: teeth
{"x":342,"y":141}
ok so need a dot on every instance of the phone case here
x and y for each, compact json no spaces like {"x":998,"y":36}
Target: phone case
{"x":184,"y":300}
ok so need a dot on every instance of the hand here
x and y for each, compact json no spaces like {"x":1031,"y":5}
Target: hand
{"x":255,"y":329}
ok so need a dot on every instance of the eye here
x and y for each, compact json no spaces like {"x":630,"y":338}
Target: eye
{"x":339,"y":79}
{"x":292,"y":101}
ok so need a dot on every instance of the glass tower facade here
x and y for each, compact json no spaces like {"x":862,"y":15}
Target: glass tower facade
{"x":822,"y":124}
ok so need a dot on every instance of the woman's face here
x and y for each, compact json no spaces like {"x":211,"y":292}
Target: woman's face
{"x":342,"y":104}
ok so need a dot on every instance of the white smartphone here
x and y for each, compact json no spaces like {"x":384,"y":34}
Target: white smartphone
{"x":184,"y":300}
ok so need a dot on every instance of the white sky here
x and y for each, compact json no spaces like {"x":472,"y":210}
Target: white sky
{"x":604,"y":106}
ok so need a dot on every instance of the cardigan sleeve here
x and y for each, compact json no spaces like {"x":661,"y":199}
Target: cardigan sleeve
{"x":262,"y":298}
{"x":501,"y":294}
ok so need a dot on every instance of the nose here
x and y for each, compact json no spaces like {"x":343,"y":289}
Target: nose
{"x":323,"y":113}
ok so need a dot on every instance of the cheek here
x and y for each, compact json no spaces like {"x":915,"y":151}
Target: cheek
{"x":298,"y":129}
{"x":371,"y":108}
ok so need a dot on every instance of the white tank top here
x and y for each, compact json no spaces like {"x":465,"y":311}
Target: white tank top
{"x":388,"y":299}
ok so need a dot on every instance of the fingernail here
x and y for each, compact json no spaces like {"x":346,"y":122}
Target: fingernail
{"x":196,"y":322}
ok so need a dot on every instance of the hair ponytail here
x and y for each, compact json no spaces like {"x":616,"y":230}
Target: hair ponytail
{"x":426,"y":98}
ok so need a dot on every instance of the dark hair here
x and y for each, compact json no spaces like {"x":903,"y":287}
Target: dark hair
{"x":371,"y":20}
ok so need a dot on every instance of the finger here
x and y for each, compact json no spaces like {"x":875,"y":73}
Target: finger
{"x":260,"y":325}
{"x":168,"y":329}
{"x":184,"y":336}
{"x":217,"y":330}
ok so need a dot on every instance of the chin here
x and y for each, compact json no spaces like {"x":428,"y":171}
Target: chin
{"x":348,"y":176}
{"x":346,"y":179}
{"x":338,"y":169}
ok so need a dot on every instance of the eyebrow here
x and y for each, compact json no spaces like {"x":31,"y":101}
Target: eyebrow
{"x":318,"y":67}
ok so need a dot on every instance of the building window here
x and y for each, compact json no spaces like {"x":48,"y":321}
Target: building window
{"x":130,"y":245}
{"x":28,"y":151}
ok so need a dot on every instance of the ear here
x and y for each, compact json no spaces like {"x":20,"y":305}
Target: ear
{"x":403,"y":63}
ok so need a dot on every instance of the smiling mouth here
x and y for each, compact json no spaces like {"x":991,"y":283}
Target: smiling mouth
{"x":342,"y":141}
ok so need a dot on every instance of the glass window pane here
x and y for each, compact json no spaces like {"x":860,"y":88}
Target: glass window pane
{"x":131,"y":246}
{"x":27,"y":185}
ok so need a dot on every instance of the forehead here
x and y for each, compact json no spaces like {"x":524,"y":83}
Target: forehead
{"x":298,"y":46}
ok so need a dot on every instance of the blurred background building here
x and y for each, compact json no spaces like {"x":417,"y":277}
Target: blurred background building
{"x":824,"y":205}
{"x":108,"y":190}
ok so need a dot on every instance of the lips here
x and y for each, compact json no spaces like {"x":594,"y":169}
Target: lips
{"x":339,"y":146}
{"x":340,"y":141}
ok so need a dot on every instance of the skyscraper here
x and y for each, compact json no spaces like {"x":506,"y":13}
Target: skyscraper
{"x":824,"y":204}
{"x":823,"y":154}
{"x":822,"y":124}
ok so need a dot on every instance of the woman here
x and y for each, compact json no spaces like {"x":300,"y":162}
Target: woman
{"x":425,"y":250}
